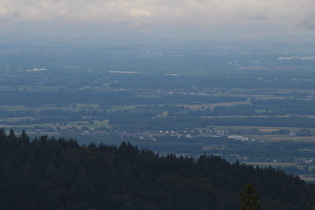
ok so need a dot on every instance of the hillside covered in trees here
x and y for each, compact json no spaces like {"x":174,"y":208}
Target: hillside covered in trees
{"x":60,"y":174}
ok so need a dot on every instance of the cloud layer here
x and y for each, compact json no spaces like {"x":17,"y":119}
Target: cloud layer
{"x":137,"y":13}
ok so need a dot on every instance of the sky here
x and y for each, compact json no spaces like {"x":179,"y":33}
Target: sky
{"x":190,"y":19}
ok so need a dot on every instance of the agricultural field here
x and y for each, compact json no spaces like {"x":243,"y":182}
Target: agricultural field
{"x":230,"y":107}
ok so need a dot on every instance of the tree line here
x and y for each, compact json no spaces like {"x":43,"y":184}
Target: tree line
{"x":50,"y":173}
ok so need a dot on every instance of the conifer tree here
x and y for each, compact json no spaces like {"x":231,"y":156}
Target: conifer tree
{"x":249,"y":198}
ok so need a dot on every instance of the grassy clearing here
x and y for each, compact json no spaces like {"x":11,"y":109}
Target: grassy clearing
{"x":273,"y":164}
{"x":254,"y":128}
{"x":16,"y":119}
{"x":211,"y":106}
{"x":91,"y":124}
{"x":74,"y":107}
{"x":33,"y":88}
{"x":163,"y":115}
{"x":295,"y":138}
{"x":36,"y":108}
{"x":245,"y":116}
{"x":123,"y":107}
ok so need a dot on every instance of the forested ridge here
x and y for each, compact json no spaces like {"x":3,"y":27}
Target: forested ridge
{"x":49,"y":173}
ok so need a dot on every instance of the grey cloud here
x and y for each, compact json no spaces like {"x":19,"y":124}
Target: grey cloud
{"x":305,"y":16}
{"x":3,"y":11}
{"x":298,"y":14}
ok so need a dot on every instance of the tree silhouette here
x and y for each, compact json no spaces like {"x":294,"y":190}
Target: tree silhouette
{"x":249,"y":198}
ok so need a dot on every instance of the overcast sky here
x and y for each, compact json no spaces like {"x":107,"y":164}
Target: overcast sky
{"x":192,"y":18}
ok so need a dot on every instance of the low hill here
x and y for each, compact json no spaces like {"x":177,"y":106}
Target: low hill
{"x":60,"y":174}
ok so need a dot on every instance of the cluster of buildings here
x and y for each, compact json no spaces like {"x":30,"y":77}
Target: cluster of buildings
{"x":34,"y":70}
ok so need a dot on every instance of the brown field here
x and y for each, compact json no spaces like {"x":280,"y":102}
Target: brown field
{"x":307,"y":178}
{"x":267,"y":130}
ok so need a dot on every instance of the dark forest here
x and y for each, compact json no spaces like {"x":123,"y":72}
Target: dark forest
{"x":49,"y":173}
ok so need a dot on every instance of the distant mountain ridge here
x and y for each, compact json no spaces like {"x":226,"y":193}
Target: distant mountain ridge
{"x":49,"y":173}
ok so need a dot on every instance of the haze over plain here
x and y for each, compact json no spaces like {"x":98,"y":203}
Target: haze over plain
{"x":62,"y":60}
